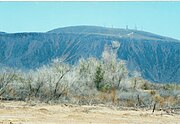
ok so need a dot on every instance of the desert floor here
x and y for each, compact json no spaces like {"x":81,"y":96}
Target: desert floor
{"x":28,"y":113}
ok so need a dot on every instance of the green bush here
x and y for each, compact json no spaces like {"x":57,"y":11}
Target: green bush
{"x":99,"y":76}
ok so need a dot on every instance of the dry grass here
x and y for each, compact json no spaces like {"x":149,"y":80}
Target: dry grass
{"x":31,"y":113}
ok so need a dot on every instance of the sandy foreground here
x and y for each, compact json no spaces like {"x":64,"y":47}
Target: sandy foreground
{"x":25,"y":113}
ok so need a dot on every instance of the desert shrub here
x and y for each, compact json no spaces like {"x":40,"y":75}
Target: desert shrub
{"x":146,"y":99}
{"x":145,"y":86}
{"x":83,"y":77}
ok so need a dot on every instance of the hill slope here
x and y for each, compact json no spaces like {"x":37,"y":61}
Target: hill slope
{"x":157,"y":57}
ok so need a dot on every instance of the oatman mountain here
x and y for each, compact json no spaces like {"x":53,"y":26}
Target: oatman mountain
{"x":156,"y":57}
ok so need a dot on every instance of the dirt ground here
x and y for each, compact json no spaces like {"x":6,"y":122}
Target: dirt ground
{"x":25,"y":113}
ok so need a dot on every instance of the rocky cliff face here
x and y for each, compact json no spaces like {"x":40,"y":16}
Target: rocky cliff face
{"x":156,"y":57}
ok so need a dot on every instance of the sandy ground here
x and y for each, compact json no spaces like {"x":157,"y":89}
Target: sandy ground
{"x":25,"y":113}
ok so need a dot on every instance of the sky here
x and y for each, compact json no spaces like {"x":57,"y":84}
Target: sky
{"x":157,"y":17}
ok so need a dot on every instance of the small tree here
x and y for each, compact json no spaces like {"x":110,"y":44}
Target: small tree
{"x":99,"y":76}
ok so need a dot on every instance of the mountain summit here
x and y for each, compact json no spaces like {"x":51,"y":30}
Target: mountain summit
{"x":109,"y":32}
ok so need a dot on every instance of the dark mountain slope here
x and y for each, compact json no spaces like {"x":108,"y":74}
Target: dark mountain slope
{"x":157,"y":57}
{"x":2,"y":32}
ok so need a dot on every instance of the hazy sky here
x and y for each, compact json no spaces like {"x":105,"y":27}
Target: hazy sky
{"x":157,"y":17}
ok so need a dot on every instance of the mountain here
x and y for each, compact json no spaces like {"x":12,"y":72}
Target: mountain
{"x":156,"y":57}
{"x":2,"y":32}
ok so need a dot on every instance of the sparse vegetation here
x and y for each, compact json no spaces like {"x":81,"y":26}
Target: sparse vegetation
{"x":91,"y":81}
